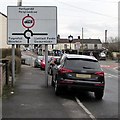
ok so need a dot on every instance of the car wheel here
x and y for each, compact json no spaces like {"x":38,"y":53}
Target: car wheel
{"x":52,"y":82}
{"x":57,"y":88}
{"x":41,"y":68}
{"x":34,"y":65}
{"x":50,"y":71}
{"x":99,"y":94}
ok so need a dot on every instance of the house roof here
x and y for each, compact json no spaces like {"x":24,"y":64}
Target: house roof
{"x":90,"y":41}
{"x":3,"y":14}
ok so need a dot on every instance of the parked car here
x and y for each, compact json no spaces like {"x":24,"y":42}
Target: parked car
{"x":78,"y":72}
{"x":52,"y":63}
{"x":23,"y":59}
{"x":102,"y":56}
{"x":26,"y":59}
{"x":37,"y":61}
{"x":42,"y":62}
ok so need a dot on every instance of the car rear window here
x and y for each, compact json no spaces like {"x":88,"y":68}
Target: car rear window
{"x":81,"y":63}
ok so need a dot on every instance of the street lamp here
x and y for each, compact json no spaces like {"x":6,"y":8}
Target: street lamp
{"x":70,"y":40}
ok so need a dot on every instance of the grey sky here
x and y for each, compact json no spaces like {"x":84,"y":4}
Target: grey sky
{"x":95,"y":16}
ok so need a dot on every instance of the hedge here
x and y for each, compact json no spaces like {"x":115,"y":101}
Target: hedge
{"x":8,"y":52}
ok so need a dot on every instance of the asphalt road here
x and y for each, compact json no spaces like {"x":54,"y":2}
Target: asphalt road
{"x":108,"y":107}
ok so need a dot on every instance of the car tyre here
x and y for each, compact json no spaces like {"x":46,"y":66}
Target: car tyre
{"x":57,"y":88}
{"x":50,"y":71}
{"x":52,"y":82}
{"x":41,"y":68}
{"x":99,"y":94}
{"x":35,"y":66}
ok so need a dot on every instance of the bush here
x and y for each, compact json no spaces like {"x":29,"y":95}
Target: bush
{"x":17,"y":64}
{"x":110,"y":55}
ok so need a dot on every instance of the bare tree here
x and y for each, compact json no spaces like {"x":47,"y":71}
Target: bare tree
{"x":113,"y":44}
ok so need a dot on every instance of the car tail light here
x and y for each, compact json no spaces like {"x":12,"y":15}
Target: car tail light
{"x":64,"y":70}
{"x":100,"y":73}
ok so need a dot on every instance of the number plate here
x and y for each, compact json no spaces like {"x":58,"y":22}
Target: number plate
{"x":83,"y":76}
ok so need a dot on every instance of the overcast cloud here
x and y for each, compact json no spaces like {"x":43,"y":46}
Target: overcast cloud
{"x":95,"y":16}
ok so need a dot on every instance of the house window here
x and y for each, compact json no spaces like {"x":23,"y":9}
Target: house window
{"x":95,"y":46}
{"x":65,"y":46}
{"x":86,"y":46}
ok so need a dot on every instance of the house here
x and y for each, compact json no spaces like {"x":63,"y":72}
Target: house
{"x":78,"y":44}
{"x":3,"y":31}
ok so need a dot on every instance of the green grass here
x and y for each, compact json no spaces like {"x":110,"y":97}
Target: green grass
{"x":7,"y":91}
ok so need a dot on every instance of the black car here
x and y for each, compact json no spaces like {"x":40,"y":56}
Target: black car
{"x":51,"y":64}
{"x":78,"y":72}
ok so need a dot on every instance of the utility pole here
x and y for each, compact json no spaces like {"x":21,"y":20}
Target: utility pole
{"x":82,"y":40}
{"x":19,"y":3}
{"x":106,"y":42}
{"x":105,"y":36}
{"x":78,"y":45}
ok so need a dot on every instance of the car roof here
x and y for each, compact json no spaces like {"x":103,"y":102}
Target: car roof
{"x":81,"y":56}
{"x":56,"y":56}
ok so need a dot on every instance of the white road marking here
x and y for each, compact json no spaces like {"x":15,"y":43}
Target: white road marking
{"x":85,"y":109}
{"x":110,"y":75}
{"x":116,"y":68}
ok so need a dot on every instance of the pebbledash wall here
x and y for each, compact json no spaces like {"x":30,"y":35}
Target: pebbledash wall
{"x":3,"y":31}
{"x":3,"y":44}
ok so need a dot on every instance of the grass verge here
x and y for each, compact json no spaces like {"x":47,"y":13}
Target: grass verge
{"x":7,"y":91}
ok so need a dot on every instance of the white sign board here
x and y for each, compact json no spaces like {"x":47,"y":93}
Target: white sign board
{"x":32,"y":25}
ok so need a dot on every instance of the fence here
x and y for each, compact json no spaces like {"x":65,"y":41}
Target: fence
{"x":4,"y":75}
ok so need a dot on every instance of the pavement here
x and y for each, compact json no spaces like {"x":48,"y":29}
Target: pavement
{"x":32,"y":99}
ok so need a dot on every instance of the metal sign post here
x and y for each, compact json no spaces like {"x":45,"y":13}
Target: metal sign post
{"x":35,"y":25}
{"x":46,"y":65}
{"x":13,"y":65}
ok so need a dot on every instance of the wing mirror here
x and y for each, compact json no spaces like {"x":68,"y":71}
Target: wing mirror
{"x":57,"y":61}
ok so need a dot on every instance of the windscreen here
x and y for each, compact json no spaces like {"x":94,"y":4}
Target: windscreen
{"x":81,"y":64}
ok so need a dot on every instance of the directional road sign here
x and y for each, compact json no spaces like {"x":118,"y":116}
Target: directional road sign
{"x":32,"y":25}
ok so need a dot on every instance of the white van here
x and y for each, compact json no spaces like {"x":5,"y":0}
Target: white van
{"x":102,"y":56}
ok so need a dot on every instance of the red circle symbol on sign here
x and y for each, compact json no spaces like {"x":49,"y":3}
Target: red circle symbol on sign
{"x":28,"y":21}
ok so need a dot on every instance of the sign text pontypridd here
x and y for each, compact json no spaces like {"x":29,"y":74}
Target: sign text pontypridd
{"x":27,"y":10}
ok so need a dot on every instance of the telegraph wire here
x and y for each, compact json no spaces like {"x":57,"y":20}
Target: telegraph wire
{"x":83,"y":9}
